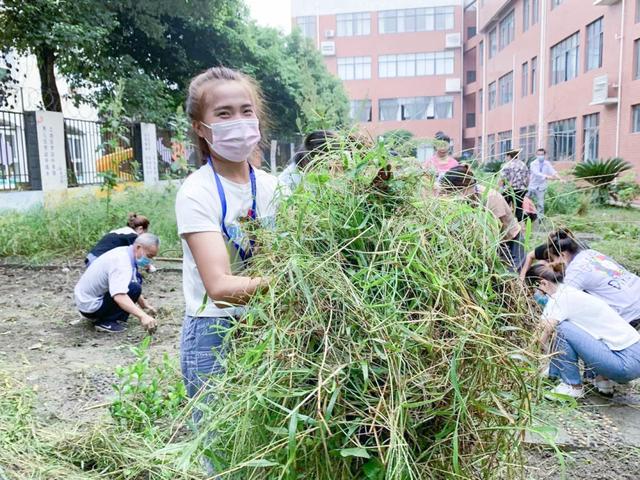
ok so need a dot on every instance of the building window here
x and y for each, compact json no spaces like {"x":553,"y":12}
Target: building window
{"x":491,"y":147}
{"x":471,"y":76}
{"x":591,"y":136}
{"x":562,"y":140}
{"x":307,"y":26}
{"x":534,"y":74}
{"x":471,"y":32}
{"x":416,"y":108}
{"x":636,"y":59}
{"x":492,"y":95}
{"x":555,"y":3}
{"x":480,"y":100}
{"x":479,"y":147}
{"x":528,"y":141}
{"x":493,"y":43}
{"x":564,"y":59}
{"x":525,"y":79}
{"x":504,"y":143}
{"x":635,"y":124}
{"x":416,"y":64}
{"x":507,"y":29}
{"x":360,"y":110}
{"x":416,"y":20}
{"x":481,"y":53}
{"x":505,"y":85}
{"x":351,"y":24}
{"x":535,"y":11}
{"x":595,"y":41}
{"x":354,"y":68}
{"x":526,"y":15}
{"x":471,"y":120}
{"x":637,"y":11}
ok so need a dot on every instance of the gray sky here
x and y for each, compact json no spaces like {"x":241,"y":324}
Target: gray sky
{"x":271,"y":13}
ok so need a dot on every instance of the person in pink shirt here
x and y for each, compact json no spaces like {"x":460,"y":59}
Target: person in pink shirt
{"x":441,"y":162}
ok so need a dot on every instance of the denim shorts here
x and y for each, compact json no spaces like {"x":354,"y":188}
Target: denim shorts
{"x":202,"y":350}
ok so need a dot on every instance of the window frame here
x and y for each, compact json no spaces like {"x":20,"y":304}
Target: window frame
{"x":507,"y":30}
{"x":599,"y":38}
{"x":353,"y":63}
{"x":589,"y":130}
{"x":567,"y":138}
{"x":524,"y":72}
{"x":355,"y":20}
{"x":561,"y":54}
{"x":505,"y":89}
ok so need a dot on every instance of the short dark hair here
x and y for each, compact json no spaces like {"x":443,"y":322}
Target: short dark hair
{"x":541,"y":271}
{"x":458,"y":178}
{"x":541,"y":150}
{"x":443,"y":137}
{"x":513,"y":153}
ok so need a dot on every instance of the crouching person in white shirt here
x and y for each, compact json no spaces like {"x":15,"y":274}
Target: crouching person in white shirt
{"x":110,"y":288}
{"x":586,"y":329}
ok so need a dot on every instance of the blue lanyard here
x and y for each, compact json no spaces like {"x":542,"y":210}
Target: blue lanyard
{"x":244,"y":254}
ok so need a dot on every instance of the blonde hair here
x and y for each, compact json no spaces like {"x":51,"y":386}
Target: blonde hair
{"x":196,"y":99}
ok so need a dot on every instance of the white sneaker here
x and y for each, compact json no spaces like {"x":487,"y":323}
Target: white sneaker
{"x":605,"y":387}
{"x":567,"y":390}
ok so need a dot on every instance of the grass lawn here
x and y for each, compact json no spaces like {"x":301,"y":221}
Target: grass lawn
{"x":611,"y":230}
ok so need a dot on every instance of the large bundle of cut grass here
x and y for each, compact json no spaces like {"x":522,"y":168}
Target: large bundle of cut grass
{"x":392,"y":344}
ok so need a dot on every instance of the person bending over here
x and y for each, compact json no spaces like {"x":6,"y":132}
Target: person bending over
{"x":109,"y":289}
{"x":120,"y":237}
{"x":586,"y":329}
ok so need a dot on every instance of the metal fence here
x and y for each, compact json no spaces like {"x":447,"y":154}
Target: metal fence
{"x":91,"y":152}
{"x":14,"y":172}
{"x":175,"y":158}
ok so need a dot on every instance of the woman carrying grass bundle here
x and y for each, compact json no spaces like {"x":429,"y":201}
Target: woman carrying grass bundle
{"x":215,"y":208}
{"x":461,"y":180}
{"x":587,"y":329}
{"x":594,"y":272}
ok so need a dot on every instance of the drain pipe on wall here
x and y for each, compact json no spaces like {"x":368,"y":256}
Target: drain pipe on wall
{"x":542,"y":73}
{"x":619,"y":113}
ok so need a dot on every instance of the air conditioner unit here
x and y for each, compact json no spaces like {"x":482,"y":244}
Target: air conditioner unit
{"x":329,"y":33}
{"x":453,"y":85}
{"x":601,"y":92}
{"x":328,"y":49}
{"x":453,"y":40}
{"x":604,"y":3}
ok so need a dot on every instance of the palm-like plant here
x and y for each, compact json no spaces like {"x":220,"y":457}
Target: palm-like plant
{"x":601,"y":174}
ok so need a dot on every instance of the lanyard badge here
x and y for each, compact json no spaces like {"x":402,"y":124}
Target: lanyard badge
{"x":244,"y":254}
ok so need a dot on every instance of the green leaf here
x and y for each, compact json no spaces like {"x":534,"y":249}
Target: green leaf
{"x":261,"y":462}
{"x":354,"y":452}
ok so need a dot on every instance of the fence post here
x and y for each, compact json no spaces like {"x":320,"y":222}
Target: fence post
{"x":145,"y":148}
{"x":272,"y":157}
{"x":44,"y":137}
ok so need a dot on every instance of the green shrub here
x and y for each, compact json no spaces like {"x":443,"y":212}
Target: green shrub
{"x":146,"y":393}
{"x":73,"y":228}
{"x":601,"y":174}
{"x":565,"y":199}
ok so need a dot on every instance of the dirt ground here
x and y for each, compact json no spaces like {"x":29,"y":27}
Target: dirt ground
{"x":45,"y":343}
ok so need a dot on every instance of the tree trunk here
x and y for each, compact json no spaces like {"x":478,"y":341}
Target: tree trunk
{"x":48,"y":86}
{"x":51,"y":97}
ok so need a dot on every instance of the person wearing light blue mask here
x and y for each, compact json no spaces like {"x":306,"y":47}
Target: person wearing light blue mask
{"x":586,"y":329}
{"x":111,"y":289}
{"x":540,"y":172}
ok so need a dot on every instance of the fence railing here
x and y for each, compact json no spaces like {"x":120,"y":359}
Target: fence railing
{"x":14,"y":171}
{"x":91,"y":152}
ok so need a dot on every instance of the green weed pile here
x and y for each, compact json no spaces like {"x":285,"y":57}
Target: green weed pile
{"x":391,"y":345}
{"x":73,"y":228}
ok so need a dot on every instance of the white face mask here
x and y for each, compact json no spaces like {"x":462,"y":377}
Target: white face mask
{"x":234,"y":140}
{"x":540,"y":158}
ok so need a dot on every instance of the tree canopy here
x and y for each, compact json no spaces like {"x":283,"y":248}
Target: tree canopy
{"x":156,"y":46}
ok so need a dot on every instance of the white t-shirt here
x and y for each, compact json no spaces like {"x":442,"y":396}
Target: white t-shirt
{"x":592,"y":315}
{"x":539,"y":172}
{"x":124,"y":231}
{"x":290,"y":176}
{"x":599,"y":275}
{"x":110,"y":272}
{"x":198,"y":209}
